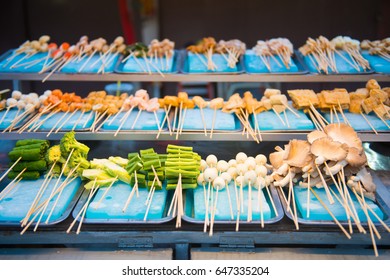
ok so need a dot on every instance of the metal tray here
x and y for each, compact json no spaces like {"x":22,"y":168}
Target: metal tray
{"x":301,"y":57}
{"x":86,"y":220}
{"x":184,"y":67}
{"x":237,"y":125}
{"x":120,"y":57}
{"x":64,"y":216}
{"x":18,"y":125}
{"x":375,"y":63}
{"x":189,"y":210}
{"x":302,"y":68}
{"x":380,"y":201}
{"x":175,"y":66}
{"x":87,"y":128}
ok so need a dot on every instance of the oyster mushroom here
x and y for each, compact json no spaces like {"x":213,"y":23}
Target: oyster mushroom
{"x":328,"y":149}
{"x":299,"y":153}
{"x":344,"y":134}
{"x":356,"y":159}
{"x":314,"y":135}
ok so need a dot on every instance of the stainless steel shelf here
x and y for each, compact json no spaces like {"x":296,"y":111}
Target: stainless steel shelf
{"x":196,"y":77}
{"x":185,"y":136}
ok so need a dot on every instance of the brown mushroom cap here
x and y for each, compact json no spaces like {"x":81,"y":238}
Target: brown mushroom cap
{"x":314,"y":135}
{"x":354,"y":158}
{"x":344,"y":134}
{"x":276,"y":159}
{"x":329,"y":149}
{"x":299,"y":153}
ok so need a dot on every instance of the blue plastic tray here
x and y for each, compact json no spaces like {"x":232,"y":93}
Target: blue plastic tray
{"x":131,"y":66}
{"x":14,"y":207}
{"x":146,"y":121}
{"x":193,"y":65}
{"x":255,"y":65}
{"x":358,"y":122}
{"x":342,"y":66}
{"x":5,"y":66}
{"x":74,"y":66}
{"x":84,"y":123}
{"x":377,"y":63}
{"x":194,"y":210}
{"x":110,"y":209}
{"x":319,"y":216}
{"x":223,"y":121}
{"x":12,"y":113}
{"x":269,"y":121}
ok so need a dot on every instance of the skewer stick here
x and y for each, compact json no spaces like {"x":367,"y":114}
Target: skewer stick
{"x":10,"y":187}
{"x":38,"y":123}
{"x":9,"y":169}
{"x":308,"y":196}
{"x":146,"y":63}
{"x":66,"y":121}
{"x":61,"y":187}
{"x":183,"y":119}
{"x":6,"y":112}
{"x":259,"y":190}
{"x":265,"y":62}
{"x":164,"y":120}
{"x":249,"y":218}
{"x":203,"y":120}
{"x":380,"y":117}
{"x":150,"y":191}
{"x":237,"y":203}
{"x":201,"y":59}
{"x":133,"y":190}
{"x":173,"y":202}
{"x":149,"y":204}
{"x":245,"y":124}
{"x":39,"y":194}
{"x":157,"y":122}
{"x":345,"y":207}
{"x":331,"y":214}
{"x":55,"y":125}
{"x":91,"y":115}
{"x":54,"y":189}
{"x":363,"y":204}
{"x":295,"y":208}
{"x":174,"y":120}
{"x":230,"y":201}
{"x":213,"y":213}
{"x":213,"y":123}
{"x":286,"y":119}
{"x":92,"y":192}
{"x":115,"y":116}
{"x":179,"y":122}
{"x":127,"y":57}
{"x":206,"y":217}
{"x":86,"y":62}
{"x":103,"y":122}
{"x":136,"y":118}
{"x":125,"y":117}
{"x":257,"y":127}
{"x":78,"y":120}
{"x":325,"y":185}
{"x":280,"y":118}
{"x":272,"y":200}
{"x":106,"y":192}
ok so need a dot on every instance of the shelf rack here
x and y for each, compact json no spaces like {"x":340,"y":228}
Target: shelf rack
{"x":282,"y":233}
{"x":196,"y":77}
{"x":185,"y":136}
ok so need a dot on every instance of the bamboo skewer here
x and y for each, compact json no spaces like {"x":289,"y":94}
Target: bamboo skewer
{"x":369,"y":123}
{"x":123,"y":121}
{"x":55,"y":125}
{"x":133,"y":190}
{"x":10,"y":168}
{"x":39,"y":194}
{"x":272,"y":200}
{"x":164,"y":120}
{"x":61,"y":187}
{"x":179,"y":122}
{"x":331,"y":214}
{"x":66,"y":121}
{"x":11,"y":185}
{"x":106,"y":192}
{"x":92,"y":193}
{"x":308,"y":197}
{"x":261,"y":206}
{"x":136,"y":118}
{"x":213,"y":213}
{"x":230,"y":201}
{"x":206,"y":217}
{"x":78,"y":120}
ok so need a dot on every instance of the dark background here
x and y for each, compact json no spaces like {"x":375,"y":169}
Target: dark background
{"x":186,"y":21}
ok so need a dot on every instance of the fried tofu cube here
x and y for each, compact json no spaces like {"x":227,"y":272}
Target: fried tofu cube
{"x":381,"y":95}
{"x":356,"y":102}
{"x":302,"y":98}
{"x":369,"y":104}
